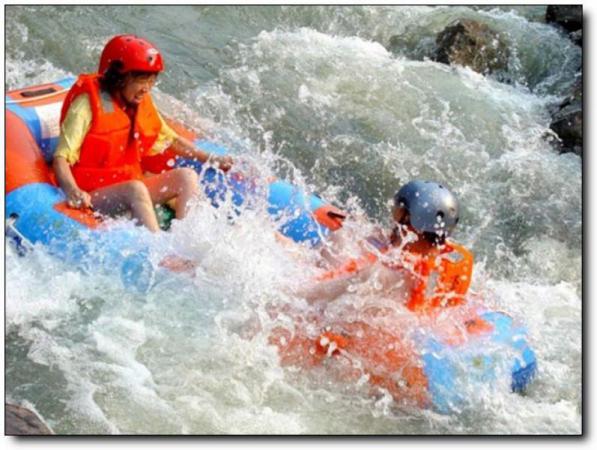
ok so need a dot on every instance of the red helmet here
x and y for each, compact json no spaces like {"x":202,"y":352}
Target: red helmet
{"x":135,"y":53}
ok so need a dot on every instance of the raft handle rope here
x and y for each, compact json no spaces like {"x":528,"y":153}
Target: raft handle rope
{"x":336,"y":215}
{"x":31,"y":96}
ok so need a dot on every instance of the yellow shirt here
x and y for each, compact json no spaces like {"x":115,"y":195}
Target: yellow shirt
{"x":77,"y":123}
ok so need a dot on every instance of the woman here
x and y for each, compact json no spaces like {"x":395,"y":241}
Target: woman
{"x":414,"y":258}
{"x":108,"y":124}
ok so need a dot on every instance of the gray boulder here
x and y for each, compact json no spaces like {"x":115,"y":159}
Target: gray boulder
{"x":20,"y":421}
{"x":472,"y":44}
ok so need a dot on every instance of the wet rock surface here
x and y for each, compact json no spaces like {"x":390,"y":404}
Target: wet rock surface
{"x":20,"y":421}
{"x":568,"y":17}
{"x":567,"y":121}
{"x":576,"y":37}
{"x":472,"y":44}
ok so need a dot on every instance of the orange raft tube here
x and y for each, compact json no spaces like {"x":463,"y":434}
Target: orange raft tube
{"x":429,"y":355}
{"x":425,"y":364}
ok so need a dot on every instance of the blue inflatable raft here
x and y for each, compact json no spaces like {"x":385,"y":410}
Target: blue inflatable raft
{"x":36,"y":213}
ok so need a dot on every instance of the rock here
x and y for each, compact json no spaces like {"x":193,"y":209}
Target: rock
{"x":568,"y":17}
{"x":575,"y":92}
{"x":576,"y":37}
{"x":20,"y":421}
{"x":567,"y":122}
{"x":472,"y":44}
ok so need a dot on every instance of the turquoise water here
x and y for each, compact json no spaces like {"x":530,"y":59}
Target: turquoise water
{"x":312,"y":95}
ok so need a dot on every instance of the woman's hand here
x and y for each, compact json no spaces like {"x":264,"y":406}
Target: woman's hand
{"x":223,"y":163}
{"x":77,"y":198}
{"x":184,"y":148}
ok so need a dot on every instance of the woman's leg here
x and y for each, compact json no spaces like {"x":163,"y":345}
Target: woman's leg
{"x":127,"y":196}
{"x":181,"y":184}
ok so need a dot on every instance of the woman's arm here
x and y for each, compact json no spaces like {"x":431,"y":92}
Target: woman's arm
{"x":186,"y":149}
{"x":73,"y":130}
{"x":75,"y":197}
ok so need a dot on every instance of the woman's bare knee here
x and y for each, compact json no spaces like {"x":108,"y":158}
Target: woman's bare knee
{"x":136,"y":191}
{"x":188,"y":177}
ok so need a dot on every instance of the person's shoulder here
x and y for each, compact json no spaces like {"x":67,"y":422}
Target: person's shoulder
{"x":79,"y":111}
{"x":80,"y":102}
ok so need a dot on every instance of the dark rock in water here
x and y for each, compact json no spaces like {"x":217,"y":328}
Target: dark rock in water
{"x":567,"y":122}
{"x":20,"y":421}
{"x":473,"y":44}
{"x":568,"y":17}
{"x":576,"y":37}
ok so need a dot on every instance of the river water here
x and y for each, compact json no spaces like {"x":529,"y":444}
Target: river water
{"x":310,"y":94}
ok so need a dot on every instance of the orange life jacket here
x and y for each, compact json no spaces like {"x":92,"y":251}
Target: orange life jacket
{"x":113,"y":147}
{"x":441,"y":278}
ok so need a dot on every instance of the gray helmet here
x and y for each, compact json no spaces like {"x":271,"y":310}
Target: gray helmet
{"x":432,"y":207}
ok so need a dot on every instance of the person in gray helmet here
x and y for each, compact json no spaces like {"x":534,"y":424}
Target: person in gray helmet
{"x":428,"y":209}
{"x":416,"y":255}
